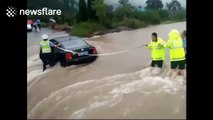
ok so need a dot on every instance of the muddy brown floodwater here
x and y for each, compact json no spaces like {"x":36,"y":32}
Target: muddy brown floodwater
{"x":114,"y":86}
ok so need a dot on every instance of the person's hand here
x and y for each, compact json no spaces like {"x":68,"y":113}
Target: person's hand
{"x":159,"y":44}
{"x":59,"y":44}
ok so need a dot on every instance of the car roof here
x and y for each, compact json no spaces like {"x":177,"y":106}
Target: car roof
{"x":66,"y":38}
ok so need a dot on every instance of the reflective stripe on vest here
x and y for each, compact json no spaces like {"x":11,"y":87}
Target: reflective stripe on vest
{"x":160,"y":58}
{"x":45,"y":46}
{"x":178,"y":58}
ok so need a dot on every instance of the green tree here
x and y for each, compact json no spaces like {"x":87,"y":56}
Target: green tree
{"x":126,"y":8}
{"x":91,"y":12}
{"x":124,"y":2}
{"x":82,"y":14}
{"x":174,"y":5}
{"x":154,"y":4}
{"x":109,"y":8}
{"x":66,"y":6}
{"x":37,"y":4}
{"x":73,"y":5}
{"x":100,"y":7}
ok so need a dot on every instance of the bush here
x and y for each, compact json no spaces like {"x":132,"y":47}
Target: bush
{"x":133,"y":23}
{"x":139,"y":15}
{"x":164,"y":14}
{"x":119,"y":13}
{"x":179,"y":15}
{"x":115,"y":24}
{"x":155,"y":19}
{"x":44,"y":24}
{"x":85,"y":28}
{"x":70,"y":19}
{"x":151,"y":17}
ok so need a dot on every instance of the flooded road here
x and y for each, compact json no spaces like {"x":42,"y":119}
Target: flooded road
{"x":114,"y":86}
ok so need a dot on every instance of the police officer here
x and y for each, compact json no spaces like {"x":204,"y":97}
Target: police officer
{"x":158,"y":50}
{"x":177,"y":54}
{"x":45,"y":51}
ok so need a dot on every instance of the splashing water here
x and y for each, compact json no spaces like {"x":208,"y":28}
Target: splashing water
{"x":133,"y":95}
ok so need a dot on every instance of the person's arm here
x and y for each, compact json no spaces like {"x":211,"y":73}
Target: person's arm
{"x":161,"y":43}
{"x":149,"y":46}
{"x":168,"y":44}
{"x":53,"y":45}
{"x":184,"y":43}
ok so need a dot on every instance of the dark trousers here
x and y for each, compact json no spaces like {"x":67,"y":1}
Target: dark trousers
{"x":39,"y":26}
{"x":35,"y":27}
{"x":159,"y":63}
{"x":46,"y":59}
{"x":53,"y":26}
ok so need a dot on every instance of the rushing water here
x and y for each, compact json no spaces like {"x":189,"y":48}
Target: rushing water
{"x":117,"y":86}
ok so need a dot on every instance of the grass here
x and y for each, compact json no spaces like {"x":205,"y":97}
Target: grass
{"x":133,"y":23}
{"x":86,"y":28}
{"x":136,"y":20}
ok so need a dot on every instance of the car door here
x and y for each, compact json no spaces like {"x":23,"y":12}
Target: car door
{"x":55,"y":51}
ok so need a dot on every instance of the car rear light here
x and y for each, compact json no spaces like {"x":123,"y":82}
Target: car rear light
{"x":68,"y":56}
{"x":94,"y":51}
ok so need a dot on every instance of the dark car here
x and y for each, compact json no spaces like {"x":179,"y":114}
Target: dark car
{"x":82,"y":50}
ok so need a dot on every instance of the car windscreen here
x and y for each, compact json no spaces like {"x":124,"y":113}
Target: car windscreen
{"x":75,"y":43}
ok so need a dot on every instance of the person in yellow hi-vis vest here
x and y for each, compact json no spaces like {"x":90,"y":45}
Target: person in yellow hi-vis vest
{"x":157,"y":47}
{"x":177,"y":54}
{"x":45,"y":51}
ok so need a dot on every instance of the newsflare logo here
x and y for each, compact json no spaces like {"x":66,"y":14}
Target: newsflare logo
{"x":12,"y":11}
